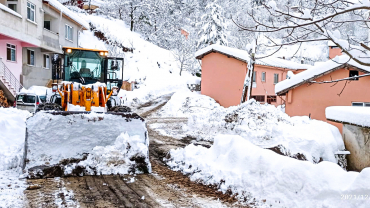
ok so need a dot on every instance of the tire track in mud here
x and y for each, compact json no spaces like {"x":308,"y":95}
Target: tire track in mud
{"x":162,"y":188}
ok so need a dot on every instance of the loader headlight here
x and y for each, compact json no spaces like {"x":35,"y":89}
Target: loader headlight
{"x":101,"y":53}
{"x":69,"y":50}
{"x":106,"y":53}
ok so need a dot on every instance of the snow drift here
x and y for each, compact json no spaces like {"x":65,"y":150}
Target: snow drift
{"x":235,"y":164}
{"x":12,"y":134}
{"x":264,"y":125}
{"x":61,"y":138}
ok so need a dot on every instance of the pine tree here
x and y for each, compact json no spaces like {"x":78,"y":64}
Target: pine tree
{"x":213,"y":27}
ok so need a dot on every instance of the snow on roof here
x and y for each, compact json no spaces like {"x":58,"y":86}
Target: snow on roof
{"x":68,"y":13}
{"x":5,"y":8}
{"x":331,"y":43}
{"x":243,"y":55}
{"x":317,"y":71}
{"x":349,"y":114}
{"x":184,"y":29}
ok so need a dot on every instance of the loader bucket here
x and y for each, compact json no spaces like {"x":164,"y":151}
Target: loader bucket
{"x":69,"y":143}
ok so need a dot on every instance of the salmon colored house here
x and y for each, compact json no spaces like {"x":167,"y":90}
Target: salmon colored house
{"x":306,"y":97}
{"x":224,"y":70}
{"x":184,"y":32}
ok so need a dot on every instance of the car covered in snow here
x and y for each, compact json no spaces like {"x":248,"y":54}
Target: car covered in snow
{"x":27,"y":101}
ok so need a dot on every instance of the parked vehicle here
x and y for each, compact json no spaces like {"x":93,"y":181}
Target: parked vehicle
{"x":27,"y":101}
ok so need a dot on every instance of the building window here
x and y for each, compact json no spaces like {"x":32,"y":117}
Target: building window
{"x":259,"y":98}
{"x":263,"y":79}
{"x":11,"y":52}
{"x":47,"y":25}
{"x":12,"y":4}
{"x":360,"y":104}
{"x":271,"y":99}
{"x":353,"y":73}
{"x":30,"y":57}
{"x":69,"y":32}
{"x":254,"y":76}
{"x":276,"y":78}
{"x":46,"y":61}
{"x":31,"y":11}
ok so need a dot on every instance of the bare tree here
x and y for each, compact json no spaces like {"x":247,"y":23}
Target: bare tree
{"x":339,"y":21}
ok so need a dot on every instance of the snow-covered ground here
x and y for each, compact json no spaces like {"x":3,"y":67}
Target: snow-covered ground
{"x":12,"y":137}
{"x":262,"y":176}
{"x":154,"y":69}
{"x":264,"y":125}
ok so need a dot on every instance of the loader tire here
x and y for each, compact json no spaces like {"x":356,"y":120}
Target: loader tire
{"x":123,"y":109}
{"x":49,"y":107}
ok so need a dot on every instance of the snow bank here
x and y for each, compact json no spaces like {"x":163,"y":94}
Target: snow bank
{"x":264,"y":125}
{"x":316,"y":71}
{"x":12,"y":137}
{"x":119,"y":158}
{"x":267,"y":127}
{"x":53,"y":138}
{"x":349,"y":114}
{"x":233,"y":163}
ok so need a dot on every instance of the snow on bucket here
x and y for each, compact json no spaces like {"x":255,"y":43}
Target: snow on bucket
{"x":83,"y":143}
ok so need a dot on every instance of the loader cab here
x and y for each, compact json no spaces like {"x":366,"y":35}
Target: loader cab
{"x":88,"y":66}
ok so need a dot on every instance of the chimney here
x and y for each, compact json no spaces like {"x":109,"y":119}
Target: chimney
{"x":334,"y":50}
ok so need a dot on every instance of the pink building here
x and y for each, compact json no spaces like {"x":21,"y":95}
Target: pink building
{"x":184,"y":32}
{"x":224,"y":70}
{"x":304,"y":97}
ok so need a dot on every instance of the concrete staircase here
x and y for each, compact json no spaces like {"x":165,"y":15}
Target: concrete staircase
{"x":8,"y":82}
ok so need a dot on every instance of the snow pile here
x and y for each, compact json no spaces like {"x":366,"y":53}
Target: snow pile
{"x":153,"y":69}
{"x":268,"y":127}
{"x":349,"y":114}
{"x":253,"y":173}
{"x":183,"y":103}
{"x":119,"y":158}
{"x":263,"y":125}
{"x":38,"y":90}
{"x":54,"y":138}
{"x":316,"y":71}
{"x":12,"y":136}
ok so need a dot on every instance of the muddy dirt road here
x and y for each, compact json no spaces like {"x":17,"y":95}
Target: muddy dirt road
{"x":162,"y":188}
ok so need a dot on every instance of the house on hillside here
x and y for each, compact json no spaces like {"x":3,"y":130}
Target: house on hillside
{"x":356,"y":133}
{"x":31,"y":32}
{"x":224,"y":70}
{"x":184,"y":32}
{"x":305,"y":96}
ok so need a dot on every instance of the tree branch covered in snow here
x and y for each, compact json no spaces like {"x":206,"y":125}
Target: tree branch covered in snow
{"x":345,"y":23}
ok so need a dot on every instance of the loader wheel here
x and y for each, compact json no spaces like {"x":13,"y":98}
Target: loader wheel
{"x":123,"y":109}
{"x":48,"y":107}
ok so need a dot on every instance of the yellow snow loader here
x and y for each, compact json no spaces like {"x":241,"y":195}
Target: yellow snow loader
{"x":84,"y":115}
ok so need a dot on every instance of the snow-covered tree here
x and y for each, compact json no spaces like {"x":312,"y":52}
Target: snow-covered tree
{"x":184,"y":53}
{"x":213,"y":26}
